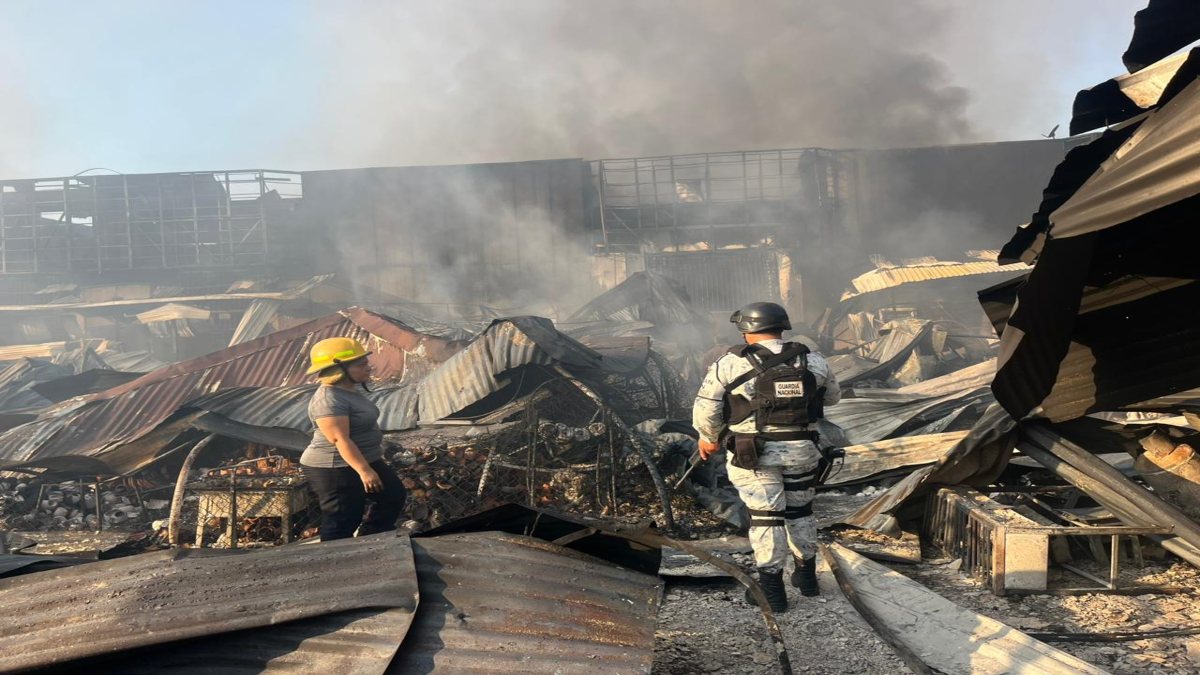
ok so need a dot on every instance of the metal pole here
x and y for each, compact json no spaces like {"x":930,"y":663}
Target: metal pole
{"x":600,"y":200}
{"x":1114,"y":562}
{"x":177,"y":496}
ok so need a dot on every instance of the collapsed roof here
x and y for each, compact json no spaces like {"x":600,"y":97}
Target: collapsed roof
{"x":1104,"y":319}
{"x":258,"y":390}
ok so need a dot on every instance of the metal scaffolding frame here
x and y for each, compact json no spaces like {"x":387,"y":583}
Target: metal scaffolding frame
{"x":714,"y":191}
{"x":104,"y":223}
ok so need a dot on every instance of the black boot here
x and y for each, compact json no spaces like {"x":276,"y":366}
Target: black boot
{"x":772,"y":586}
{"x":805,"y":576}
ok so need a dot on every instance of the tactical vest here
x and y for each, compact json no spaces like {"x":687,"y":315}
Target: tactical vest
{"x":784,"y":395}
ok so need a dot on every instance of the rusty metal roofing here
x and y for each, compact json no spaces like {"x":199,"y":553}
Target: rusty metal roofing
{"x":91,"y":425}
{"x":502,"y":603}
{"x":892,"y":276}
{"x":358,"y":642}
{"x":62,"y":616}
{"x":259,"y":387}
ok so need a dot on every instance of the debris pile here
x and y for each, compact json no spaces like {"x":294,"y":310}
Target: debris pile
{"x":72,"y":505}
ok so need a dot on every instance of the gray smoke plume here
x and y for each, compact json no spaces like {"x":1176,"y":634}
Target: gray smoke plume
{"x":460,"y":81}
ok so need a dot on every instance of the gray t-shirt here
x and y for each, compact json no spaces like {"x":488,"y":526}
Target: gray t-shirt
{"x":364,"y":426}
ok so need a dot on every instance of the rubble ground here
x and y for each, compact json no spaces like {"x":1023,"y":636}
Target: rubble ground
{"x":1092,"y":613}
{"x":706,"y":625}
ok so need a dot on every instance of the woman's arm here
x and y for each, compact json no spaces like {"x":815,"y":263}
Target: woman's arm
{"x":337,"y":431}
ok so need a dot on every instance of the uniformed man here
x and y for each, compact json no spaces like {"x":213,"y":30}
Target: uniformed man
{"x":761,"y":401}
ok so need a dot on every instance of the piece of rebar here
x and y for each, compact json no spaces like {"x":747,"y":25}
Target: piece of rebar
{"x":177,"y":496}
{"x":1114,"y":563}
{"x":658,"y":540}
{"x":1087,"y":575}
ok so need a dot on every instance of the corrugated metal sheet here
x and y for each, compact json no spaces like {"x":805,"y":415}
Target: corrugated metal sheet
{"x":93,"y":424}
{"x":87,"y":382}
{"x":890,"y":351}
{"x":254,"y":388}
{"x":644,"y":296}
{"x":868,"y":460}
{"x":172,"y":595}
{"x":471,"y":374}
{"x":358,"y":642}
{"x":17,"y":381}
{"x":131,"y":362}
{"x":254,"y":321}
{"x":287,"y":407}
{"x":875,"y":416}
{"x":502,"y":603}
{"x":1159,"y":29}
{"x":1103,"y":321}
{"x":890,"y":277}
{"x":1124,"y":96}
{"x":976,"y":460}
{"x":1129,"y":342}
{"x":39,"y":351}
{"x":971,"y":377}
{"x":173,"y":311}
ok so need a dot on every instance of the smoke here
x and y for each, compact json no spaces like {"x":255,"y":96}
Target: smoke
{"x":20,"y":126}
{"x":506,"y":236}
{"x":464,"y":81}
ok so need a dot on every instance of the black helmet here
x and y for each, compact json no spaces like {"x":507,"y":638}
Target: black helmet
{"x":760,"y":317}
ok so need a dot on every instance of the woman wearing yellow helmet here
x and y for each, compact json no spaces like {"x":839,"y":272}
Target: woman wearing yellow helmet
{"x":344,"y":461}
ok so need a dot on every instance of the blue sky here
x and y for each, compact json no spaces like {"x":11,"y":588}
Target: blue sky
{"x":174,"y":86}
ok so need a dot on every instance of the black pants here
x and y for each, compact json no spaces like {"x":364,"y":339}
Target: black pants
{"x":342,"y":498}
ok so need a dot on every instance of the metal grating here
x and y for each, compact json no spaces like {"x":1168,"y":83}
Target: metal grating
{"x":961,"y":532}
{"x":722,"y":280}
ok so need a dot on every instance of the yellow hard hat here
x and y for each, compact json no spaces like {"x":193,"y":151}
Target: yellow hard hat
{"x":332,"y":351}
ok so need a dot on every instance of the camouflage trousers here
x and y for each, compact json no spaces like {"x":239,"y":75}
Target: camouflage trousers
{"x":779,"y":499}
